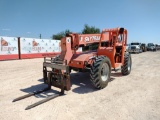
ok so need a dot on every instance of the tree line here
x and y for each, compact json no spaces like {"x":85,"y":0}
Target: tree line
{"x":86,"y":30}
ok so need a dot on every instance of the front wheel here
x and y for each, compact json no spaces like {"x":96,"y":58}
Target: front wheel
{"x":100,"y":72}
{"x":126,"y":68}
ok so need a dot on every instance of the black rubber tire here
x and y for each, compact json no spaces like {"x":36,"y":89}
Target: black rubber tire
{"x":126,"y":68}
{"x":96,"y":71}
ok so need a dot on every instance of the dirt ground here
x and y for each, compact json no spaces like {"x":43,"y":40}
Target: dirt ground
{"x":132,"y":97}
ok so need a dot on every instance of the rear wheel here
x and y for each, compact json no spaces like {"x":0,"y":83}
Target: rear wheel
{"x":126,"y":68}
{"x":100,"y":72}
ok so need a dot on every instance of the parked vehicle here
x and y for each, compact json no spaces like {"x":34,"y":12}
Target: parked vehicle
{"x":157,"y":46}
{"x":127,"y":47}
{"x":151,"y":47}
{"x":135,"y":47}
{"x":143,"y":47}
{"x":110,"y":54}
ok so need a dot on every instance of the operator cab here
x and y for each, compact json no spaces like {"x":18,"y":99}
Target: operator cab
{"x":114,"y":46}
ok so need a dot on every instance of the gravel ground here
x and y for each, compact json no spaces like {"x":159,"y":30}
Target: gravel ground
{"x":132,"y":97}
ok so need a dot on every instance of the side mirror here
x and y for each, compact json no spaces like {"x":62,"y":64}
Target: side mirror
{"x":121,"y":30}
{"x":67,"y":35}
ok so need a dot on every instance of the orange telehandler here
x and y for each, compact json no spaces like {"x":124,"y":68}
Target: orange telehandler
{"x":110,"y":53}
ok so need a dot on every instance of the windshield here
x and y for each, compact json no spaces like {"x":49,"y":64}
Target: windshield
{"x":150,"y":44}
{"x":134,"y":43}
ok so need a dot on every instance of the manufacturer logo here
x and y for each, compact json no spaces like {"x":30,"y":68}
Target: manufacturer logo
{"x":92,"y":38}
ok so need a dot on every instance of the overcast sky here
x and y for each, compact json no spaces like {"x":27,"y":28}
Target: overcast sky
{"x":30,"y":18}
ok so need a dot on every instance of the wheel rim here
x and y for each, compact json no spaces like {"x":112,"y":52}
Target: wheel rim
{"x":129,"y":64}
{"x":104,"y":72}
